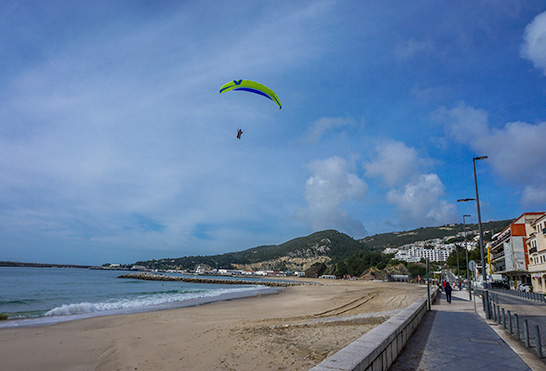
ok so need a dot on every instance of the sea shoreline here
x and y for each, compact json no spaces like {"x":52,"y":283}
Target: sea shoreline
{"x":51,"y":320}
{"x":259,"y":332}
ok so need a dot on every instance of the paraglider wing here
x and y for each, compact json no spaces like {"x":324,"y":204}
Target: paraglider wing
{"x":253,"y":87}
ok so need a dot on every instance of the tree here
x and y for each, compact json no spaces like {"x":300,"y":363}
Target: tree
{"x":417,"y":269}
{"x":341,"y":268}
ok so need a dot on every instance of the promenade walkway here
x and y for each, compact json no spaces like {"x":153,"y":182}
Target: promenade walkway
{"x":454,"y":337}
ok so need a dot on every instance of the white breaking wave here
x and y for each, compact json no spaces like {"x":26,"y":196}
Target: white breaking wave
{"x":135,"y":303}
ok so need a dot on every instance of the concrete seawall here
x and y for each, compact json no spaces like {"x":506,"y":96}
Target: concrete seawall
{"x":377,"y":349}
{"x":225,"y":281}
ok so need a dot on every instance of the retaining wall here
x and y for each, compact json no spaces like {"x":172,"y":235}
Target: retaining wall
{"x":377,"y":349}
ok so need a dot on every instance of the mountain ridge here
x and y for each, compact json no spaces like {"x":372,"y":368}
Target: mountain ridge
{"x":326,"y":247}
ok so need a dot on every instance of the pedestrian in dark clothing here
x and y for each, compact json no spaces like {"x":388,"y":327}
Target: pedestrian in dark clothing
{"x":447,"y":290}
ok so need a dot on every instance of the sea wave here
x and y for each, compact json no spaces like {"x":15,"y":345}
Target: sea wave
{"x":144,"y":301}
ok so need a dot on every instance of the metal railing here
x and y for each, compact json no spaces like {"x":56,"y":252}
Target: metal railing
{"x":529,"y":334}
{"x":537,"y":296}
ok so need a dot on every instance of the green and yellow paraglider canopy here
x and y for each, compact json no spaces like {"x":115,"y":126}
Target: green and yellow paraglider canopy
{"x":253,"y":87}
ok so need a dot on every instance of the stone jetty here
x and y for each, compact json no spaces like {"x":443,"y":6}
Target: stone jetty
{"x":225,"y":281}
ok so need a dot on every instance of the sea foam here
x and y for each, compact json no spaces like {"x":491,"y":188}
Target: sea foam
{"x":144,"y":302}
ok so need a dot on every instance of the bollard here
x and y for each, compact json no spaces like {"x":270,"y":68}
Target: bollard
{"x":516,"y":322}
{"x":510,"y":322}
{"x":538,"y":342}
{"x":526,"y":333}
{"x":498,"y":315}
{"x":494,"y":312}
{"x":503,"y":319}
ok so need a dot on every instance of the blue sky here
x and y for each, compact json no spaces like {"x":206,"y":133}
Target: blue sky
{"x":116,"y":146}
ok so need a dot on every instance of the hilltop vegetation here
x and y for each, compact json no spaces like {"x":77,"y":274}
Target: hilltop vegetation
{"x":297,"y":254}
{"x":396,"y":239}
{"x":324,"y":252}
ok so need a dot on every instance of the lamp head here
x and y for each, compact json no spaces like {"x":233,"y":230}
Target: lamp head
{"x":480,"y":158}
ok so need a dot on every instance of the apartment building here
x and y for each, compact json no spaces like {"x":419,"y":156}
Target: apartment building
{"x":536,"y":246}
{"x":508,"y":250}
{"x":415,"y":254}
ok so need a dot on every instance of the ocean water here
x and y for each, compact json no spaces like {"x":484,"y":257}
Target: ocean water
{"x":42,"y":296}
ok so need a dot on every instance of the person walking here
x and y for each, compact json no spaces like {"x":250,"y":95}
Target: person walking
{"x":447,"y":290}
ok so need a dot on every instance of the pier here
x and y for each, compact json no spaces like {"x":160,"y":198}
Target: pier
{"x":224,"y":281}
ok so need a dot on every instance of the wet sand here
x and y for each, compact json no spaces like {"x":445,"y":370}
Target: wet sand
{"x":293,"y":330}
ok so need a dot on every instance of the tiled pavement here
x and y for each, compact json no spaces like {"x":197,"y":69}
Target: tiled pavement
{"x":454,"y":337}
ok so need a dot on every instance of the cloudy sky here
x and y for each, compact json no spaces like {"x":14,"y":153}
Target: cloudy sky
{"x":116,"y":146}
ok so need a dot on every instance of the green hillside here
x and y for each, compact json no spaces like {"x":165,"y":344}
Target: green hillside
{"x":325,"y":247}
{"x":396,"y":239}
{"x":330,"y":243}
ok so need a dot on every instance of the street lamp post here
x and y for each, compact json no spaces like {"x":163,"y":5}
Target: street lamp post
{"x":480,"y":229}
{"x":458,"y":272}
{"x":477,"y":199}
{"x":466,"y":251}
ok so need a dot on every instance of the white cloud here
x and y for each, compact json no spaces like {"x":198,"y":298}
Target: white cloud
{"x":516,"y":151}
{"x":394,"y":162}
{"x":534,"y":45}
{"x":419,"y":202}
{"x":327,"y":189}
{"x":533,"y":195}
{"x":465,"y":123}
{"x":325,"y":124}
{"x":417,"y":196}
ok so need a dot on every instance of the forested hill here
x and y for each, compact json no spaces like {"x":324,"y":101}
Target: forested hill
{"x":299,"y":253}
{"x":327,"y":246}
{"x":396,"y":239}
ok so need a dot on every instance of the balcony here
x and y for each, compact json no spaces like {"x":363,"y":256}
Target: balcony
{"x":498,"y":255}
{"x":532,"y":250}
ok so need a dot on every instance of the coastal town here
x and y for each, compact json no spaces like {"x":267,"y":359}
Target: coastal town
{"x":515,"y":257}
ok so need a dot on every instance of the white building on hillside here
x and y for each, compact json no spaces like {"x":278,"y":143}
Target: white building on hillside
{"x":415,"y":254}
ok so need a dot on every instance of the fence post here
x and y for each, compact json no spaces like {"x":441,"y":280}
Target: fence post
{"x":538,"y":342}
{"x":498,"y":315}
{"x":503,"y":319}
{"x":494,"y":312}
{"x":510,"y":322}
{"x":516,"y":322}
{"x":526,"y":333}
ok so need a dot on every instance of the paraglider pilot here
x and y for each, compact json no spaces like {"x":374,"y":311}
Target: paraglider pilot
{"x":239,"y":133}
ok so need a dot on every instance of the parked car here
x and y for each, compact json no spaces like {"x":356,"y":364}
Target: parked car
{"x":499,"y":285}
{"x":525,"y":287}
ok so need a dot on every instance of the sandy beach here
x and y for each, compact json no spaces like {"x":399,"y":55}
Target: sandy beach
{"x":293,"y":330}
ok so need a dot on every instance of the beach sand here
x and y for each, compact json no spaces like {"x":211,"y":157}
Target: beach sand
{"x":294,"y":330}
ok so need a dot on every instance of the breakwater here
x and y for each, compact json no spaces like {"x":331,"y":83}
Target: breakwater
{"x":225,"y":281}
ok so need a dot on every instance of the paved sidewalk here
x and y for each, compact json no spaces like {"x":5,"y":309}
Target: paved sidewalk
{"x":453,"y":337}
